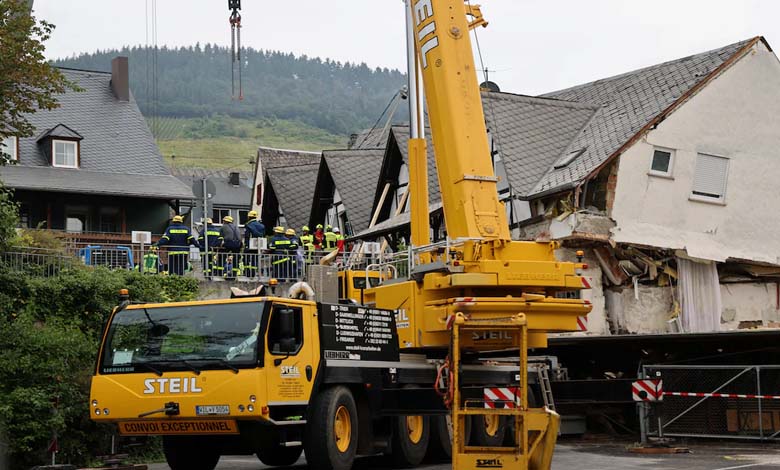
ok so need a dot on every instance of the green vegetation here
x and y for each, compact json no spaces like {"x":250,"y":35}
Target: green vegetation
{"x":50,"y":330}
{"x":222,"y":141}
{"x":339,"y":98}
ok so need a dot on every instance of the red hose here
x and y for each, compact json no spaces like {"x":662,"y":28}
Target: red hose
{"x":448,"y":394}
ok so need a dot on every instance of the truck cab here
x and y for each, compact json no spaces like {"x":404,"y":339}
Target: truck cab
{"x":353,"y":283}
{"x":227,"y":369}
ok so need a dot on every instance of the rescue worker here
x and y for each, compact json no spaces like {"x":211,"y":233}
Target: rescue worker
{"x":330,"y":239}
{"x":307,"y":242}
{"x":294,"y":263}
{"x":278,"y":248}
{"x":339,"y":240}
{"x":319,"y":237}
{"x":151,"y":261}
{"x":215,"y":241}
{"x":231,"y":246}
{"x":252,"y":229}
{"x":178,"y":238}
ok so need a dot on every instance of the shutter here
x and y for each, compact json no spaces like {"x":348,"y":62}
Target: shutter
{"x":711,"y":175}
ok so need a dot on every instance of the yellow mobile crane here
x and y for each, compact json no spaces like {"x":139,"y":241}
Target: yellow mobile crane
{"x":274,"y":376}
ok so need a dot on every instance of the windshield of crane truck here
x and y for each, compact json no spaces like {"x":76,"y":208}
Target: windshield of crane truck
{"x":194,"y":337}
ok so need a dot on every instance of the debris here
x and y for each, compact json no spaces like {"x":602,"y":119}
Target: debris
{"x":610,"y":265}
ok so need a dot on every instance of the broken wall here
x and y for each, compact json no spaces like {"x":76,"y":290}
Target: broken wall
{"x":644,"y":310}
{"x":749,"y":305}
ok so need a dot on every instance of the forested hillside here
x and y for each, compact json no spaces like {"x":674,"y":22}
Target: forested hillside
{"x":195,"y":82}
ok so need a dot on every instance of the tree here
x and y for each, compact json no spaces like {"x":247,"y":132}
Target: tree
{"x":27,"y":81}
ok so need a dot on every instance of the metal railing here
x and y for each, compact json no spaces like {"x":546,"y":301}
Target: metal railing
{"x":35,"y":261}
{"x":249,"y":266}
{"x":725,"y":402}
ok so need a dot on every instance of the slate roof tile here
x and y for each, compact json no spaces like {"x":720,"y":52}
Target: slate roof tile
{"x":294,"y":188}
{"x":355,"y":174}
{"x":117,"y":146}
{"x":626,"y":103}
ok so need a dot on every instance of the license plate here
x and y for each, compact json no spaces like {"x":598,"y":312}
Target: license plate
{"x":215,"y":426}
{"x":212,"y":410}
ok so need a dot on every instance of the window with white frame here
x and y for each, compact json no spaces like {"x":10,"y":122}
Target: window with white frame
{"x":10,"y":147}
{"x":65,"y":153}
{"x":218,"y":214}
{"x":662,"y":163}
{"x":709,"y":181}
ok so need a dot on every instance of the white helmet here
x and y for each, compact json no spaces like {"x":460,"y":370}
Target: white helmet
{"x":336,"y":230}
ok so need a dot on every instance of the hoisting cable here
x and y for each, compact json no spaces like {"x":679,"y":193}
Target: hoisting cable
{"x":235,"y":48}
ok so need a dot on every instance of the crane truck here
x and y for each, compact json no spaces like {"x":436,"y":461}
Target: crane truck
{"x":434,"y":361}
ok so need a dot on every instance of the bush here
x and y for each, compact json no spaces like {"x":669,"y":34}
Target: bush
{"x":49,"y":334}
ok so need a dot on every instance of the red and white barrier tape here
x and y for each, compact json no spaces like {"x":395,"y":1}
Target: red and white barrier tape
{"x":720,"y":395}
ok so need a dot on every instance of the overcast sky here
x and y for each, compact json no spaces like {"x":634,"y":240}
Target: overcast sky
{"x":533,"y":46}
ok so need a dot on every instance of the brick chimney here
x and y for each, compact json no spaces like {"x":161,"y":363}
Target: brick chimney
{"x":120,"y":78}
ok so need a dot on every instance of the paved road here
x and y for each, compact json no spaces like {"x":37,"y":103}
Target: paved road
{"x":591,"y":456}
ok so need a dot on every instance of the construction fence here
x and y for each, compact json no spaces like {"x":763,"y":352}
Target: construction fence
{"x":726,"y":402}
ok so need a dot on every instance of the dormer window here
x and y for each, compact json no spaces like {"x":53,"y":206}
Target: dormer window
{"x":10,"y":148}
{"x":65,"y":153}
{"x":62,"y":145}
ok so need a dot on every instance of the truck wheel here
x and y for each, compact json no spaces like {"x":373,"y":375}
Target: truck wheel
{"x":331,"y":434}
{"x":279,"y":456}
{"x":186,"y":453}
{"x":488,"y":430}
{"x":440,"y":446}
{"x":410,"y":440}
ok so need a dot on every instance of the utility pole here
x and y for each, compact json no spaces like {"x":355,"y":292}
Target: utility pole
{"x":206,"y":263}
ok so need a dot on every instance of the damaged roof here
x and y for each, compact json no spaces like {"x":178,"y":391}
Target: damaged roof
{"x":355,"y":174}
{"x":628,"y":104}
{"x":294,"y":188}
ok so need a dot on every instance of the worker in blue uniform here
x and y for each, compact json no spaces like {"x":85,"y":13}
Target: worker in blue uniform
{"x":210,"y":231}
{"x":252,"y":229}
{"x":280,"y":258}
{"x":178,"y":238}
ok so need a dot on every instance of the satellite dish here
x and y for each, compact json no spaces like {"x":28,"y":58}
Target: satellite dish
{"x":197,"y":188}
{"x":489,"y":86}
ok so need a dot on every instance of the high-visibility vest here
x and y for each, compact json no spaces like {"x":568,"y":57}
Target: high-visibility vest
{"x":330,"y":240}
{"x":308,"y":244}
{"x":151,"y":263}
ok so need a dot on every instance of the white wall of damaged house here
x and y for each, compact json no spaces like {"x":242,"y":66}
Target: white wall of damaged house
{"x":597,"y":319}
{"x":737,"y":117}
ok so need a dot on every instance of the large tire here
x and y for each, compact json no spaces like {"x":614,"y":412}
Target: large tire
{"x":331,"y":436}
{"x":410,"y":440}
{"x":440,"y":444}
{"x":279,"y":456}
{"x":488,"y":431}
{"x":188,"y":453}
